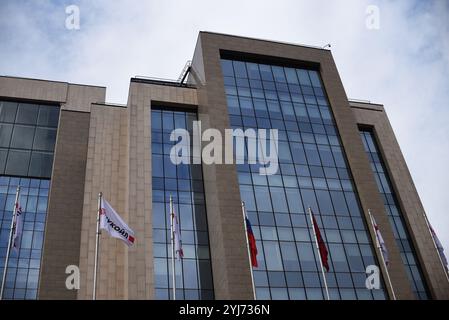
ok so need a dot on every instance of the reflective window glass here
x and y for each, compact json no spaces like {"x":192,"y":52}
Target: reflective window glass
{"x":395,"y":214}
{"x":184,"y":183}
{"x":313,"y":173}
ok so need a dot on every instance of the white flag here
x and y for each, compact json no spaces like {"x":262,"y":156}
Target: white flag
{"x":17,"y":237}
{"x":112,"y":223}
{"x":383,"y":247}
{"x":177,"y":237}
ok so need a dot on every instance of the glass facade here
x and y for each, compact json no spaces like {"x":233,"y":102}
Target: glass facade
{"x":395,"y":215}
{"x":312,"y":172}
{"x":185,"y":183}
{"x":27,"y":141}
{"x":24,"y":265}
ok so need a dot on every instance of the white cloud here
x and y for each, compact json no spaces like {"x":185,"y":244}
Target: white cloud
{"x":403,"y":65}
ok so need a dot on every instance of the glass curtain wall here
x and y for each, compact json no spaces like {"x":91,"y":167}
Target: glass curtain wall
{"x":27,"y":140}
{"x":395,"y":215}
{"x":184,"y":182}
{"x":313,"y":172}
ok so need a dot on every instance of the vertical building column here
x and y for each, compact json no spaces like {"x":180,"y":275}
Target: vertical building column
{"x":63,"y":227}
{"x":229,"y":255}
{"x":106,"y":172}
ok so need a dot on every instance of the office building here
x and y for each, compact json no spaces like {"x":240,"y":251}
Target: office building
{"x":64,"y":144}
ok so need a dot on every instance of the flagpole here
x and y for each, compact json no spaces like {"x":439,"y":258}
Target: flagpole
{"x":97,"y":246}
{"x":8,"y":251}
{"x":379,"y":247}
{"x":319,"y":254}
{"x":249,"y":252}
{"x":436,"y":247}
{"x":172,"y":231}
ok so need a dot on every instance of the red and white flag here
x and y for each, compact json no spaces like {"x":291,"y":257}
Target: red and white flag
{"x":18,"y":225}
{"x":381,"y":241}
{"x":177,"y":236}
{"x":114,"y":225}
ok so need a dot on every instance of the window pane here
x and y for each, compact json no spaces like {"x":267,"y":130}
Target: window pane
{"x":289,"y":256}
{"x":291,"y":75}
{"x":263,"y":199}
{"x":306,"y":256}
{"x":160,"y":272}
{"x":299,"y":156}
{"x":8,"y":111}
{"x":240,"y":69}
{"x":3,"y":155}
{"x":156,"y":120}
{"x":324,"y":202}
{"x":265,"y":72}
{"x":339,"y":203}
{"x":22,"y":137}
{"x":205,"y":276}
{"x":253,"y":70}
{"x":5,"y":135}
{"x":41,"y":164}
{"x":303,"y":77}
{"x":226,"y":67}
{"x":247,"y":195}
{"x":157,"y":165}
{"x":167,"y":121}
{"x":315,"y":78}
{"x":279,"y":201}
{"x":294,"y":201}
{"x":312,"y":154}
{"x":190,"y":272}
{"x":27,"y":113}
{"x":45,"y":139}
{"x":272,"y":256}
{"x":278,"y":73}
{"x":48,"y":116}
{"x":17,"y":163}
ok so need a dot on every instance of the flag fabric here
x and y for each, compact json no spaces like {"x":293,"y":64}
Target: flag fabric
{"x":252,"y":243}
{"x":17,"y":237}
{"x":381,"y":241}
{"x":177,"y":236}
{"x":114,"y":225}
{"x":321,"y":245}
{"x":439,"y":247}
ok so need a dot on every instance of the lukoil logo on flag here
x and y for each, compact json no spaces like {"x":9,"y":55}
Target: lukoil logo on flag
{"x":112,"y":223}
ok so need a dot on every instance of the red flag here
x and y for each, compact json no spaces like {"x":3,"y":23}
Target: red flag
{"x":252,"y":244}
{"x":321,"y":245}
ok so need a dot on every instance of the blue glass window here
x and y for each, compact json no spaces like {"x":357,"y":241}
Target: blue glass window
{"x":313,"y":172}
{"x":24,"y":264}
{"x":185,"y":183}
{"x":27,"y":142}
{"x":395,"y":214}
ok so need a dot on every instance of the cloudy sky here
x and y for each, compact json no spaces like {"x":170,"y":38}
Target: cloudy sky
{"x":404,"y":64}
